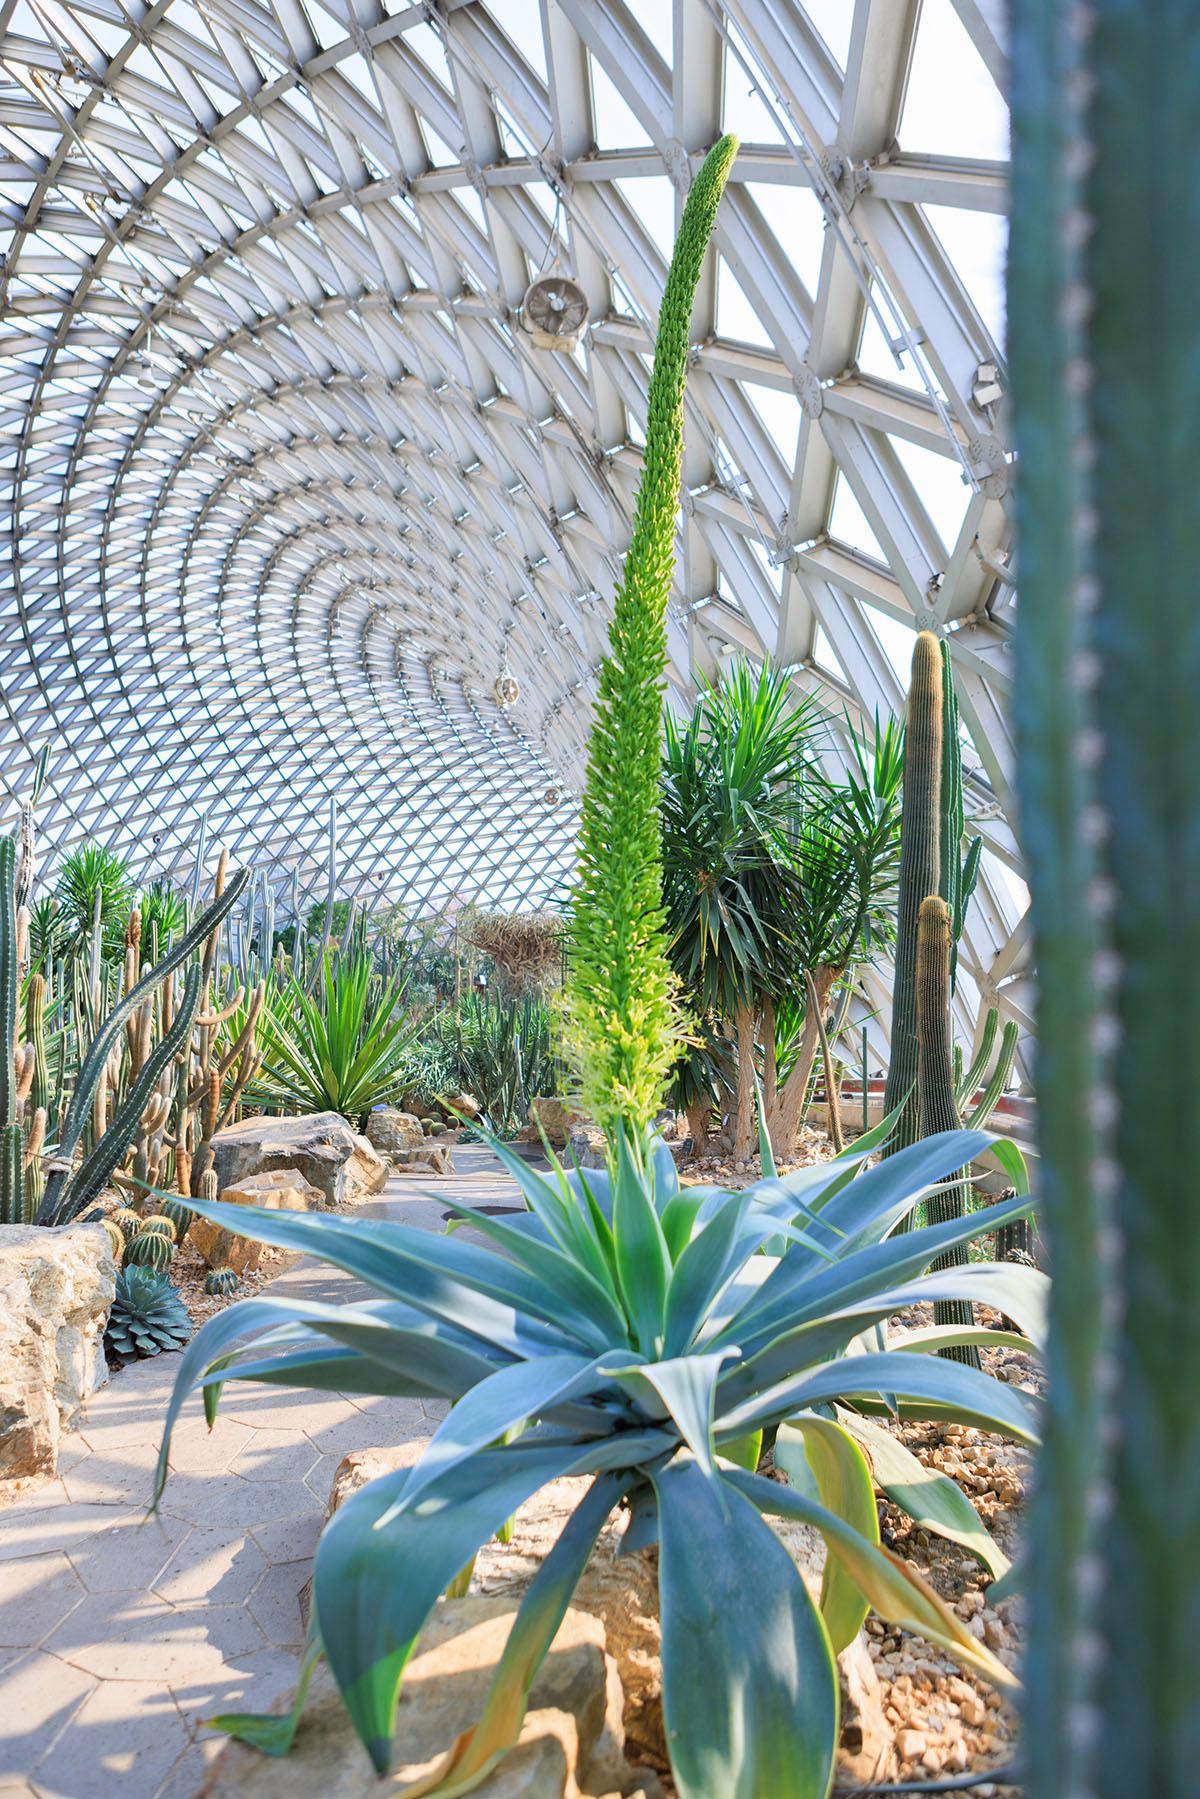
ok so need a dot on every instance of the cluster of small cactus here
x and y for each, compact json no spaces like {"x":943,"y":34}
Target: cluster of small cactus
{"x":147,"y":1317}
{"x":96,"y":1080}
{"x":220,"y":1281}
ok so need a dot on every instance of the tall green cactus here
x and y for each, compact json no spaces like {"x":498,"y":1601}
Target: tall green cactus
{"x":921,"y":831}
{"x":1105,"y":376}
{"x":15,"y":1200}
{"x":931,"y":861}
{"x":618,"y":995}
{"x":936,"y":1095}
{"x":957,"y":874}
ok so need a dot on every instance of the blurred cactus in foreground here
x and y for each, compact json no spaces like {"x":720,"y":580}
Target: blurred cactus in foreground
{"x":1105,"y":375}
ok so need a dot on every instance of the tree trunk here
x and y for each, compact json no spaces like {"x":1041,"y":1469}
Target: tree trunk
{"x":770,"y":1066}
{"x":743,"y":1128}
{"x":833,"y":1095}
{"x":698,"y":1115}
{"x":784,"y":1120}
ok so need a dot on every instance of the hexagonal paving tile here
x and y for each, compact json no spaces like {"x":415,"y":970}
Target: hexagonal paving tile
{"x":120,"y":1476}
{"x":275,"y":1455}
{"x":275,"y":1603}
{"x":197,"y":1450}
{"x":34,"y":1597}
{"x":132,"y":1637}
{"x":52,"y":1525}
{"x":126,"y":1736}
{"x":226,"y":1500}
{"x":38,"y":1698}
{"x":220,"y":1566}
{"x":126,"y":1555}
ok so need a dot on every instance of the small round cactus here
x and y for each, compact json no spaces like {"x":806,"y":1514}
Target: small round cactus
{"x":220,"y":1282}
{"x":164,"y":1226}
{"x":113,"y":1232}
{"x":128,"y":1222}
{"x":180,"y":1214}
{"x":149,"y":1249}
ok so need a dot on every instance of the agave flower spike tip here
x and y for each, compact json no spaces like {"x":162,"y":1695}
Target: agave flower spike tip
{"x":618,"y":1004}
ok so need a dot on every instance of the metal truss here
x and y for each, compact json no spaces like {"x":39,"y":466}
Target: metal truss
{"x":286,"y":485}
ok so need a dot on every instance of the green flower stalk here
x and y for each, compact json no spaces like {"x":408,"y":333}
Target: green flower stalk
{"x":620,"y":1015}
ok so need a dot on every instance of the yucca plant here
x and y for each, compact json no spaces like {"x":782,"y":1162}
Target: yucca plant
{"x":340,"y":1049}
{"x":92,"y":883}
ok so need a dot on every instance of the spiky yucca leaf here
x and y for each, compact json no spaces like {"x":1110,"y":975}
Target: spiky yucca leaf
{"x":618,"y":1003}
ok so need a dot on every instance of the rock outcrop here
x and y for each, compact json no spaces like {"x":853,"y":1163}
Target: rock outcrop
{"x":571,"y":1745}
{"x":321,"y":1147}
{"x":394,"y":1133}
{"x":56,"y":1287}
{"x":279,"y":1190}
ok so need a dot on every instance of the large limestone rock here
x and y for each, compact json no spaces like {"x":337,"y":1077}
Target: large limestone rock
{"x":557,"y":1120}
{"x":280,"y":1190}
{"x":571,"y":1745}
{"x":322,"y":1147}
{"x":394,"y":1133}
{"x":56,"y":1287}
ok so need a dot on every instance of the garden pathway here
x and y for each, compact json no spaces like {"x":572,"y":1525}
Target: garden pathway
{"x":119,"y":1634}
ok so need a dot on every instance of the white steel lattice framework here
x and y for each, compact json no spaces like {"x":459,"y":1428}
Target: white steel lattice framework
{"x":287,"y":486}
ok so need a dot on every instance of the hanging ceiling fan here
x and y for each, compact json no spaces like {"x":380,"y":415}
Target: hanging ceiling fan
{"x":554,"y":312}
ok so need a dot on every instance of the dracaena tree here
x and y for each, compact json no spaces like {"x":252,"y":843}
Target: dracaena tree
{"x":629,"y":1330}
{"x":736,"y":780}
{"x":846,"y":853}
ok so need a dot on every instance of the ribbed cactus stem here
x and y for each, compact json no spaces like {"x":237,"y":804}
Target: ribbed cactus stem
{"x":920,"y":873}
{"x":1105,"y":374}
{"x":35,"y":1032}
{"x":935,"y":1090}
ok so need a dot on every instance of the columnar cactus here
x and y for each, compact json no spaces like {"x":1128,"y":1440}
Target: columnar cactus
{"x":935,"y":1091}
{"x":921,"y":828}
{"x":1105,"y":377}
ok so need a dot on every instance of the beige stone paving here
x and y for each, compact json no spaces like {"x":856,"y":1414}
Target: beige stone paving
{"x":120,"y":1634}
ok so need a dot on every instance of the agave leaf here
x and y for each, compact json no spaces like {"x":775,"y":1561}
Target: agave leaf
{"x":909,"y":1377}
{"x":951,"y":1336}
{"x":542,"y":1610}
{"x":548,"y":1264}
{"x":795,"y":1291}
{"x":931,"y":1499}
{"x":714,"y":1254}
{"x":687,"y":1386}
{"x":643,"y":1261}
{"x":271,"y":1732}
{"x":482,"y":1293}
{"x":375,"y":1584}
{"x":505,"y":1399}
{"x":843,"y":1480}
{"x":895,"y":1590}
{"x":749,"y":1681}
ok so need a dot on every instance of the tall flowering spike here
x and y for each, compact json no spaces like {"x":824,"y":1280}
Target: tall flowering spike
{"x":620,"y":1018}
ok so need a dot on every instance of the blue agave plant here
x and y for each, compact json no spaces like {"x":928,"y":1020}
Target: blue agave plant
{"x":637,"y":1332}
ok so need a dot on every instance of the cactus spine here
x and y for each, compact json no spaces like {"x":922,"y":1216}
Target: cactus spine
{"x":1105,"y":375}
{"x":921,"y":829}
{"x":935,"y":1089}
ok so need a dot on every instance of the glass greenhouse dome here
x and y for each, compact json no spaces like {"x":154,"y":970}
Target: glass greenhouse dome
{"x":558,"y":919}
